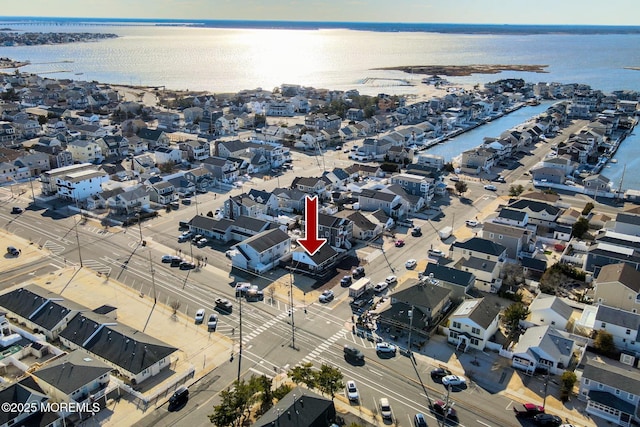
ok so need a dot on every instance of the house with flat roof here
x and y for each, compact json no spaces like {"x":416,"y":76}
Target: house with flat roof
{"x":611,"y":390}
{"x":473,"y":324}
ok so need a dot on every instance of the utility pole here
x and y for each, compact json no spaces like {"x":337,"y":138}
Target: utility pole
{"x":140,"y":226}
{"x":153,"y":280}
{"x":410,"y":328}
{"x":78,"y":241}
{"x":240,"y":349}
{"x":293,"y":326}
{"x":34,"y":195}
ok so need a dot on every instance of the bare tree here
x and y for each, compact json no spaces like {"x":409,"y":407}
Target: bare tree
{"x":175,"y":305}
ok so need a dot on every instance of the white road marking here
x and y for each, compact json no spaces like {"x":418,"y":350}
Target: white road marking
{"x":484,"y":424}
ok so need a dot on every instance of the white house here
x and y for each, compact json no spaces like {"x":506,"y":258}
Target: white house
{"x":85,"y":151}
{"x":543,"y":347}
{"x":164,"y":155}
{"x":78,"y":186}
{"x":623,"y":325}
{"x":473,"y":323}
{"x":548,"y":310}
{"x":263,"y":251}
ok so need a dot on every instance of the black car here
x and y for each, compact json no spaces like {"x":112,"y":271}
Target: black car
{"x":13,"y":251}
{"x":187,"y":265}
{"x":357,"y":272}
{"x":346,"y":281}
{"x":416,"y":232}
{"x":438,"y":373}
{"x":179,"y":398}
{"x":176,"y":261}
{"x":223,"y":305}
{"x":547,"y":420}
{"x":353,"y":355}
{"x":16,"y":210}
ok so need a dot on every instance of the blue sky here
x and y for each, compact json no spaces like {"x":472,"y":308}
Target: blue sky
{"x":570,"y":12}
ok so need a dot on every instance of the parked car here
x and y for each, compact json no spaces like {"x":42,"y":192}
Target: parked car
{"x":242,"y":288}
{"x":440,"y":407}
{"x":186,"y":201}
{"x":202,"y":242}
{"x":176,"y":261}
{"x":178,"y":398}
{"x":253,"y":295}
{"x":185,"y":236}
{"x":385,"y":348}
{"x":490,"y":187}
{"x":353,"y":354}
{"x":13,"y":251}
{"x":346,"y":281}
{"x":399,"y":243}
{"x":187,"y":265}
{"x":167,"y":258}
{"x":199,"y":316}
{"x":357,"y":272}
{"x":453,"y":380}
{"x":16,"y":210}
{"x":411,"y":264}
{"x":436,"y":252}
{"x":472,"y":223}
{"x":385,"y":409}
{"x":352,"y":391}
{"x":326,"y":296}
{"x":547,"y":420}
{"x":212,"y":323}
{"x":528,"y":410}
{"x":419,"y":420}
{"x":391,"y":280}
{"x":380,"y":287}
{"x":416,"y":232}
{"x":454,"y":178}
{"x":438,"y":373}
{"x":223,"y":305}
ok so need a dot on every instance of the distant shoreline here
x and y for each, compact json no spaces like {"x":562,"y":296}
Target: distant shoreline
{"x":466,"y":70}
{"x":356,"y":26}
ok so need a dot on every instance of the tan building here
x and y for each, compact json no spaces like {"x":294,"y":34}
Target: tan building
{"x":618,"y":285}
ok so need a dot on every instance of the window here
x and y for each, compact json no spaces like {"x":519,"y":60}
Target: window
{"x":475,"y":331}
{"x":475,"y":341}
{"x":600,"y":386}
{"x":628,"y":332}
{"x":631,"y":396}
{"x":587,"y":381}
{"x":603,"y":325}
{"x":553,"y":322}
{"x":491,"y":235}
{"x":453,"y":334}
{"x":617,"y":392}
{"x":500,"y":237}
{"x":456,"y":325}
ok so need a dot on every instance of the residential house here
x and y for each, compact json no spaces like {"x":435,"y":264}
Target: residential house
{"x":477,"y":159}
{"x":183,"y":186}
{"x":253,"y":204}
{"x":594,"y":184}
{"x":85,"y":151}
{"x":391,"y":204}
{"x":623,"y":325}
{"x":547,"y":175}
{"x":26,"y":127}
{"x":569,"y":217}
{"x":223,"y":170}
{"x":563,"y":232}
{"x":611,"y":390}
{"x":363,"y":228}
{"x":167,"y":119}
{"x":144,"y":164}
{"x":290,"y":200}
{"x":427,"y":303}
{"x":430,"y":160}
{"x":113,"y":146}
{"x":58,"y":156}
{"x":201,"y":177}
{"x":28,"y":394}
{"x":481,"y":257}
{"x":134,"y":354}
{"x":39,"y":309}
{"x":400,"y":154}
{"x":48,"y":179}
{"x":312,"y":185}
{"x":167,"y":155}
{"x":539,"y":213}
{"x":627,"y":223}
{"x":263,"y":251}
{"x":512,"y":217}
{"x":132,"y":201}
{"x":35,"y":162}
{"x":618,"y":285}
{"x":162,"y":192}
{"x":543,"y":348}
{"x":533,"y":268}
{"x":515,"y":239}
{"x":459,"y":282}
{"x":337,"y":230}
{"x":280,"y":108}
{"x":79,"y":185}
{"x":319,"y":263}
{"x":473,"y":324}
{"x":301,"y":407}
{"x":548,"y":310}
{"x":338,"y":178}
{"x":195,"y":149}
{"x":415,"y":185}
{"x":75,"y":377}
{"x":192,"y":114}
{"x":153,"y":138}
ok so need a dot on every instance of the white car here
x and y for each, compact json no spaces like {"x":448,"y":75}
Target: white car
{"x":391,"y":280}
{"x":380,"y":287}
{"x":326,"y":296}
{"x":436,"y":252}
{"x":167,"y":258}
{"x":199,"y":318}
{"x":490,"y":187}
{"x":385,"y":409}
{"x":212,"y":324}
{"x":411,"y":264}
{"x":472,"y":223}
{"x":352,"y":391}
{"x":453,"y":380}
{"x":385,"y":347}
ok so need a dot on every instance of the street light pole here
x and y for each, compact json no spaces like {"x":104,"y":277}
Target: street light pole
{"x":410,"y":328}
{"x":293,"y":326}
{"x":140,"y":227}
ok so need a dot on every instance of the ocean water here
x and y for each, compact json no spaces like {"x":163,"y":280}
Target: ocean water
{"x":231,"y":56}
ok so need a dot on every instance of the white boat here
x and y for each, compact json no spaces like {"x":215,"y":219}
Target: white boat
{"x":614,"y":160}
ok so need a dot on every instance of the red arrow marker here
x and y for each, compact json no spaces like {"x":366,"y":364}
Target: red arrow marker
{"x":310,"y":241}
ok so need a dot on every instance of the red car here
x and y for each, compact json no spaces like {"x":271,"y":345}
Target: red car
{"x":443,"y":409}
{"x":528,"y":410}
{"x":399,"y":243}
